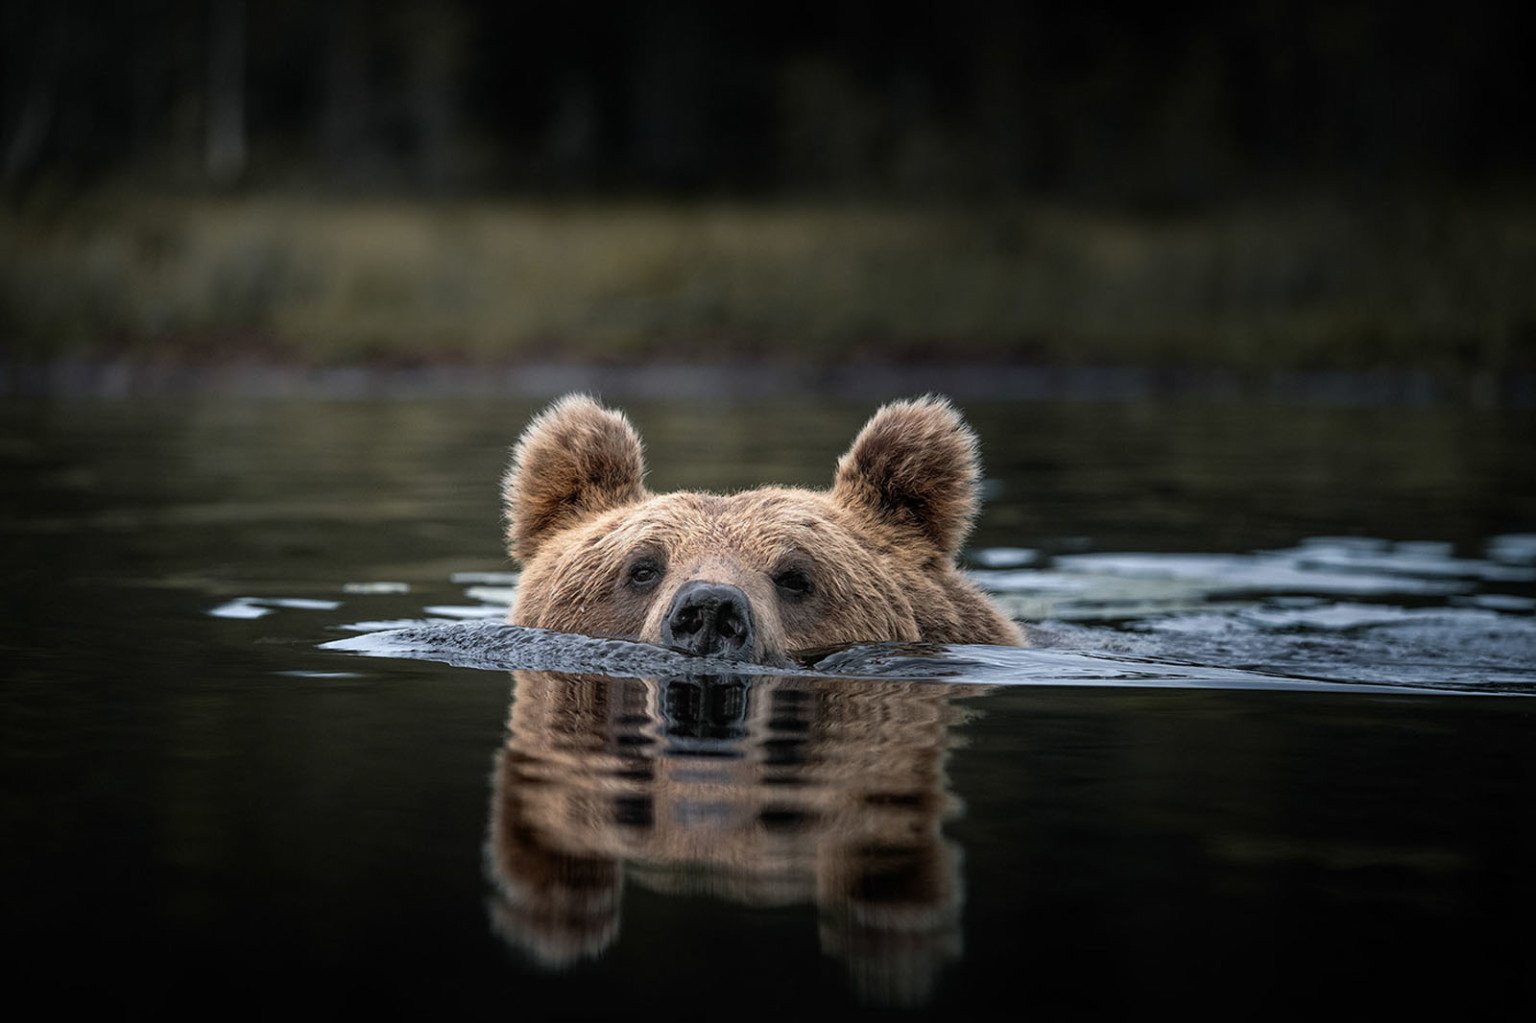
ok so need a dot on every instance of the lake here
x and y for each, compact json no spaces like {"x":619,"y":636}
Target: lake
{"x":267,"y":752}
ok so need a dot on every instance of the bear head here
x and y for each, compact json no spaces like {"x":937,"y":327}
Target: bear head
{"x":757,"y":575}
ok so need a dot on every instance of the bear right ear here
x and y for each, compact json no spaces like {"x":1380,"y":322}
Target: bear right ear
{"x":914,"y":468}
{"x":574,"y":460}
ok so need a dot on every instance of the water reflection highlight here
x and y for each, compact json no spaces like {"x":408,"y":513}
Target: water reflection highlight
{"x":764,"y":791}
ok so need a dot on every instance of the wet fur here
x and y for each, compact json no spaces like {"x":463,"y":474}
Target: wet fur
{"x":880,"y":545}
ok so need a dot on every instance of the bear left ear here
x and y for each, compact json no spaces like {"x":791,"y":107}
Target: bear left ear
{"x":914,"y":467}
{"x":574,"y":460}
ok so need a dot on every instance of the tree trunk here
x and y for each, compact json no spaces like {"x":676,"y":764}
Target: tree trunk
{"x":344,"y":113}
{"x":226,"y":92}
{"x":39,"y":95}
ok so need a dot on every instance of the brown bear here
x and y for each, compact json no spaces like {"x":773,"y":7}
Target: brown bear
{"x":758,"y":575}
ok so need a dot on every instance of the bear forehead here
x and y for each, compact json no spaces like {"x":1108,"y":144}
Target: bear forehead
{"x":769,"y":521}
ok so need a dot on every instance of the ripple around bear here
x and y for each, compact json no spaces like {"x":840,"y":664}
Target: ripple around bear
{"x":757,"y":575}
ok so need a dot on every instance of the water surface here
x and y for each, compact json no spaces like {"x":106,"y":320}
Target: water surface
{"x":1270,"y":748}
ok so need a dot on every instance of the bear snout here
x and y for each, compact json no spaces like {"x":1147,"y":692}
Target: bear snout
{"x":710,"y":620}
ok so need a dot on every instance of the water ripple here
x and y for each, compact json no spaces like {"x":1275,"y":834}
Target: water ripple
{"x":1329,"y":614}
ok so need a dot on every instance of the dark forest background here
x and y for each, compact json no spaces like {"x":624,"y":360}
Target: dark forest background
{"x":1152,"y":103}
{"x":1320,"y":132}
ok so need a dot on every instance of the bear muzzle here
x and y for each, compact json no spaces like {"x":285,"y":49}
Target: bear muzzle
{"x":709,"y":619}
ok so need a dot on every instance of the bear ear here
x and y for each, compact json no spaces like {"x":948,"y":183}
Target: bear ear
{"x":574,"y":460}
{"x":914,"y":467}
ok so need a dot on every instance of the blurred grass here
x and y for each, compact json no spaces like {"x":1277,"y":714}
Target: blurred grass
{"x":1442,"y":286}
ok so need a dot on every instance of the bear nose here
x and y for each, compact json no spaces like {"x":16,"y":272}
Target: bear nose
{"x":710,"y":620}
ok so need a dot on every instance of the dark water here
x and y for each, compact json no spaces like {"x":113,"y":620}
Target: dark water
{"x":267,"y":753}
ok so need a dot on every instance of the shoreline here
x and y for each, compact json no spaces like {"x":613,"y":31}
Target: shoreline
{"x":699,"y":380}
{"x":1289,"y":295}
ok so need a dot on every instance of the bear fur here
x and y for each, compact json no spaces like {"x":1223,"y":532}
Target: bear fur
{"x":758,"y":575}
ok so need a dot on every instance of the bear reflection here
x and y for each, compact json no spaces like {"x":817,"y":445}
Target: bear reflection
{"x":767,"y":791}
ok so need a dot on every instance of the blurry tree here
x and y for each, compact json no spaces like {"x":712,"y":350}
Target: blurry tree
{"x":344,"y":101}
{"x":31,"y":81}
{"x":226,"y":91}
{"x":436,"y":34}
{"x":670,"y":91}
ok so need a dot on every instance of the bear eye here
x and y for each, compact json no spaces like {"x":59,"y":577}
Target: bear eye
{"x":793,"y":584}
{"x":643,"y":574}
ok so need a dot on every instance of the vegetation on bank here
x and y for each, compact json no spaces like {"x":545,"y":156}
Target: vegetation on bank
{"x":1429,"y":286}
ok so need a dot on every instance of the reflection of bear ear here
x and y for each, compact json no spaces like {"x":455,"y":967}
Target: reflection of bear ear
{"x":914,"y":466}
{"x":575,"y":459}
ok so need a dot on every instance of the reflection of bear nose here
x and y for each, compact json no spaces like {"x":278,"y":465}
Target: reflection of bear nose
{"x":710,"y":620}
